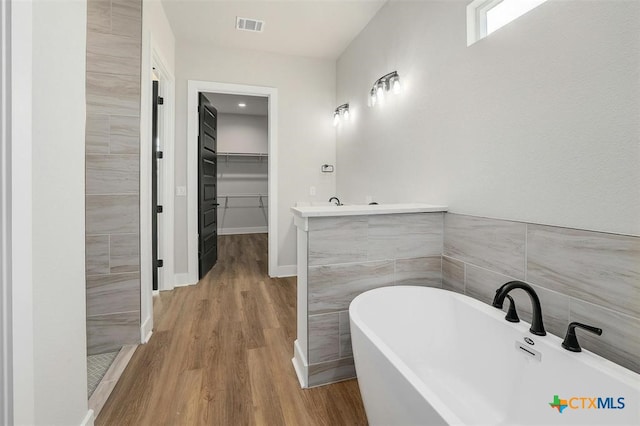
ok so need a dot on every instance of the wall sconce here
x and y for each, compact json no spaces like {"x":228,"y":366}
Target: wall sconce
{"x":341,"y":111}
{"x":382,"y":85}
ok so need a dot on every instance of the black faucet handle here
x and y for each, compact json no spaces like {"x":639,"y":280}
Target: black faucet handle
{"x":570,"y":342}
{"x":512,"y":315}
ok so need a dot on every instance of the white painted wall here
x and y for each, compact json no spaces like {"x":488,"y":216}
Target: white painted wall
{"x":242,"y":133}
{"x":306,"y":138}
{"x":538,"y":122}
{"x":60,"y":375}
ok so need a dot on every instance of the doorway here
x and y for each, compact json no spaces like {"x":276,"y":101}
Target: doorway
{"x":270,"y":201}
{"x":242,"y":162}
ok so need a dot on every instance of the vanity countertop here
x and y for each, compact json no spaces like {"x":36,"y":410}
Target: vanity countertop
{"x":364,"y":209}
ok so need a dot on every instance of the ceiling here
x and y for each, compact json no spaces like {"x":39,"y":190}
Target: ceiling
{"x":314,"y":28}
{"x":228,"y":104}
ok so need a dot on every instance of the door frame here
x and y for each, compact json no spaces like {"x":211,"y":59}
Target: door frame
{"x":166,"y":120}
{"x":271,"y":93}
{"x":152,"y":58}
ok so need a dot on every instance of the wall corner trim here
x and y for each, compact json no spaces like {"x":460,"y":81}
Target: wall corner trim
{"x":89,"y":419}
{"x":287,"y":271}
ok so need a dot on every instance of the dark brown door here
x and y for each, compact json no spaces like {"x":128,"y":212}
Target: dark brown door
{"x":207,"y":187}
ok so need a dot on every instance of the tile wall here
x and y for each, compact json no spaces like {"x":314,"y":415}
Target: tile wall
{"x":348,"y":255}
{"x":584,"y":276}
{"x":114,"y":36}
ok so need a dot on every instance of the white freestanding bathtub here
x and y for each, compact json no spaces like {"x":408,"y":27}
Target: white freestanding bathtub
{"x":427,"y":356}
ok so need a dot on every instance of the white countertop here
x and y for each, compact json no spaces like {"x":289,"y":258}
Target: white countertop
{"x":364,"y":209}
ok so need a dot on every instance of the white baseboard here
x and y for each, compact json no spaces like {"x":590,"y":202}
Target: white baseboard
{"x":300,"y":365}
{"x":245,"y":230}
{"x":89,"y":419}
{"x":287,"y":271}
{"x":183,"y":279}
{"x":146,"y":330}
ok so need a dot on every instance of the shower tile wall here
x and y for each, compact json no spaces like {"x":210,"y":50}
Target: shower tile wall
{"x":584,"y":276}
{"x":114,"y":36}
{"x":351,"y":254}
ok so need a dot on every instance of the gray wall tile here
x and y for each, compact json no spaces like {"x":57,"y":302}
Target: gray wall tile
{"x":97,"y":254}
{"x":99,"y":16}
{"x":596,"y":267}
{"x":127,"y":18}
{"x":335,"y":240}
{"x":108,"y":333}
{"x":493,"y":244}
{"x":112,"y":174}
{"x":97,"y":134}
{"x":620,"y":339}
{"x":124,"y":253}
{"x":331,"y":288}
{"x":482,"y":284}
{"x":114,"y":36}
{"x":424,"y":271}
{"x":332,"y":371}
{"x":113,"y":94}
{"x":110,"y":214}
{"x":452,"y":274}
{"x":113,"y":54}
{"x":124,"y":135}
{"x":404,"y":236}
{"x":323,"y":338}
{"x":345,"y":335}
{"x":107,"y":294}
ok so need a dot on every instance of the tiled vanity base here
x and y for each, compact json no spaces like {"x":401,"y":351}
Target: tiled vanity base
{"x":341,"y":257}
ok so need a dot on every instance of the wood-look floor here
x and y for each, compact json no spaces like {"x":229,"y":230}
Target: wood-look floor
{"x":221,"y":353}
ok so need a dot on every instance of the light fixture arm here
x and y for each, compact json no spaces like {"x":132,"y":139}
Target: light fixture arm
{"x":342,"y":108}
{"x":386,"y":78}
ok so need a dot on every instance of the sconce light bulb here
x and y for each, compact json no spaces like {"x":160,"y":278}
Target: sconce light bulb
{"x":336,"y":119}
{"x":397,"y":88}
{"x":346,"y":114}
{"x":373,"y":98}
{"x":380,"y":92}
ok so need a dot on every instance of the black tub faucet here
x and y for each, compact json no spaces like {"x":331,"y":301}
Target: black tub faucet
{"x":336,"y":200}
{"x":570,"y":342}
{"x":537,"y":327}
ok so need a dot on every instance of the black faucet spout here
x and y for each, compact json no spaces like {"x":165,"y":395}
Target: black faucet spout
{"x":537,"y":327}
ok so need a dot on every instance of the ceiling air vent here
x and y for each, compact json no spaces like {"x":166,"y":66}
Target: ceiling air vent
{"x":247,"y":24}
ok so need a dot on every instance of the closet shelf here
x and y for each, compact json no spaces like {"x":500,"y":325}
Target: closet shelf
{"x":243,"y":155}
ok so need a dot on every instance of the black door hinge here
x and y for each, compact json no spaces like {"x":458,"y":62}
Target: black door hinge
{"x":159,"y":263}
{"x":158,"y":209}
{"x":160,"y":100}
{"x":159,"y":154}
